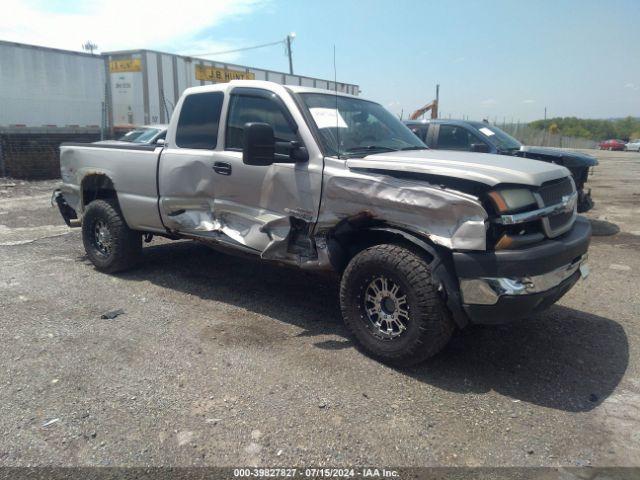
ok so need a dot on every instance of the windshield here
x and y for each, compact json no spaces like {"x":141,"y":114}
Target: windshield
{"x":358,"y":127}
{"x":144,"y":135}
{"x":502,"y":139}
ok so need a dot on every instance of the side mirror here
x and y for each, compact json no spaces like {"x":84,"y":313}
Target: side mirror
{"x":480,"y":147}
{"x":298,"y":152}
{"x":259,"y":144}
{"x":160,"y":142}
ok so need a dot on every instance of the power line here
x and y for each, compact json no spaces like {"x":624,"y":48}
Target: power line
{"x":239,"y":49}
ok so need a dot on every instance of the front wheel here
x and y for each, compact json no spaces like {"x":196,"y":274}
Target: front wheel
{"x":391,"y":305}
{"x":110,"y":244}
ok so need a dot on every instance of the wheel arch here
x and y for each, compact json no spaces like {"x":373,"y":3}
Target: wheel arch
{"x":344,"y":246}
{"x":97,"y":186}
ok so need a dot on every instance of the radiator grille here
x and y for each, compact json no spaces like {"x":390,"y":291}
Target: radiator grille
{"x":558,"y":221}
{"x":552,"y":193}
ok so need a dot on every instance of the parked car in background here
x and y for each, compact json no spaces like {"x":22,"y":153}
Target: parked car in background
{"x":611,"y":144}
{"x":633,"y":145}
{"x":482,"y":137}
{"x":145,"y":135}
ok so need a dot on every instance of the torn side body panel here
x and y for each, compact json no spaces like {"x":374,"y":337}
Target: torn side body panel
{"x":205,"y":221}
{"x":447,"y":217}
{"x":283,"y":239}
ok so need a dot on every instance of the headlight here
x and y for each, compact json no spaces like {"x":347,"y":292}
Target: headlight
{"x":512,"y":199}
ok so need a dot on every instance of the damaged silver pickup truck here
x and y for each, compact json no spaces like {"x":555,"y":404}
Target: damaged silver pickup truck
{"x":423,"y":241}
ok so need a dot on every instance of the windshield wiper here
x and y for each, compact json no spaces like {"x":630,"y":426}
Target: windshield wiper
{"x":368,"y":148}
{"x":415,"y":147}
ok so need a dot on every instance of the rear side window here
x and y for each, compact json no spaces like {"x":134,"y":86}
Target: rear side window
{"x":199,"y":119}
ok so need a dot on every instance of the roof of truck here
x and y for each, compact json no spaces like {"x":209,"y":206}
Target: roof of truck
{"x":265,"y":84}
{"x":426,"y":121}
{"x":302,"y":89}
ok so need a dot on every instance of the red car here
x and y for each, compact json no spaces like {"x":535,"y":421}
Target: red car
{"x":612,"y":144}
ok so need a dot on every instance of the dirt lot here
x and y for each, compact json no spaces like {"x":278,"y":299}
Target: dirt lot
{"x":225,"y":361}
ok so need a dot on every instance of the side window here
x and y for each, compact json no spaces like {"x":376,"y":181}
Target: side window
{"x":247,"y":108}
{"x":420,"y":131}
{"x":199,"y":120}
{"x":453,"y":137}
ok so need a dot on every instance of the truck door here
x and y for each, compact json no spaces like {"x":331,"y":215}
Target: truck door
{"x":186,"y":170}
{"x":260,"y":205}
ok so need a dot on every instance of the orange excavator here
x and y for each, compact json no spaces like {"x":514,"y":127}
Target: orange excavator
{"x":433,"y":107}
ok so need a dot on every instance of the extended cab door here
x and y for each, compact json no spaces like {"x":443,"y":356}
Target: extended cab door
{"x":260,"y":205}
{"x":186,"y":170}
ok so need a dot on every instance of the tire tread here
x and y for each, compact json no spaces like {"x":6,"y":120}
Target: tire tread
{"x":127,"y":243}
{"x":434,"y":322}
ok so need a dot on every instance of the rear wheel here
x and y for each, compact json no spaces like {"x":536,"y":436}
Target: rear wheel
{"x":110,"y":244}
{"x":392,"y":307}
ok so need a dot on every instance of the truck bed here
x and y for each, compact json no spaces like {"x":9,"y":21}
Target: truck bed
{"x":131,"y":168}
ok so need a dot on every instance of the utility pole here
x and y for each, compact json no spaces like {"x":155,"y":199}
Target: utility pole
{"x":545,"y":114}
{"x":437,"y":107}
{"x":289,"y":39}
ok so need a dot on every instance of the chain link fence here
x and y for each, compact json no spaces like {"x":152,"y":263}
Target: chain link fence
{"x":36,"y":156}
{"x":534,"y":137}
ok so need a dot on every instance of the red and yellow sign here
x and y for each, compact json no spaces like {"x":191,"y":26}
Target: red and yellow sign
{"x":214,"y":74}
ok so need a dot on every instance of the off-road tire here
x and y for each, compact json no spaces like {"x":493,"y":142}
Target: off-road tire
{"x":430,"y":325}
{"x":126,"y":244}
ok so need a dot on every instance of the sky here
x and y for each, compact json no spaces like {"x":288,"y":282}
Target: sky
{"x":496,"y":59}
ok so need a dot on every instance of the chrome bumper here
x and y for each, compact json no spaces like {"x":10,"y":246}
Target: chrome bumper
{"x":488,"y":290}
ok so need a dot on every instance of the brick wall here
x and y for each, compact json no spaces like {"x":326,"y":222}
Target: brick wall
{"x":35,"y":156}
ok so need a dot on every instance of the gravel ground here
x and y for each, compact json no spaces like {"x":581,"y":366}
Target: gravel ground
{"x":218,"y":360}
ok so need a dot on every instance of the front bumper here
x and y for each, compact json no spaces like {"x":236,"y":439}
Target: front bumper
{"x":501,"y":286}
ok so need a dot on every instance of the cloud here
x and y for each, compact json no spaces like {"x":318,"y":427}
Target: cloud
{"x":528,"y":100}
{"x":632,"y":86}
{"x":122,"y":24}
{"x":488,"y":101}
{"x":459,"y":60}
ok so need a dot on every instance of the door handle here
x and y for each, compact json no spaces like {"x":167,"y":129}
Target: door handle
{"x":223,"y":168}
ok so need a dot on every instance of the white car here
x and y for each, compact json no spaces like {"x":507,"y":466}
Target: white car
{"x":633,"y":145}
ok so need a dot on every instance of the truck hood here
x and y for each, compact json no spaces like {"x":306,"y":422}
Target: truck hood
{"x":478,"y":167}
{"x":567,"y":158}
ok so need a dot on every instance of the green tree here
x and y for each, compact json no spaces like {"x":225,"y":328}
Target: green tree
{"x":592,"y":129}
